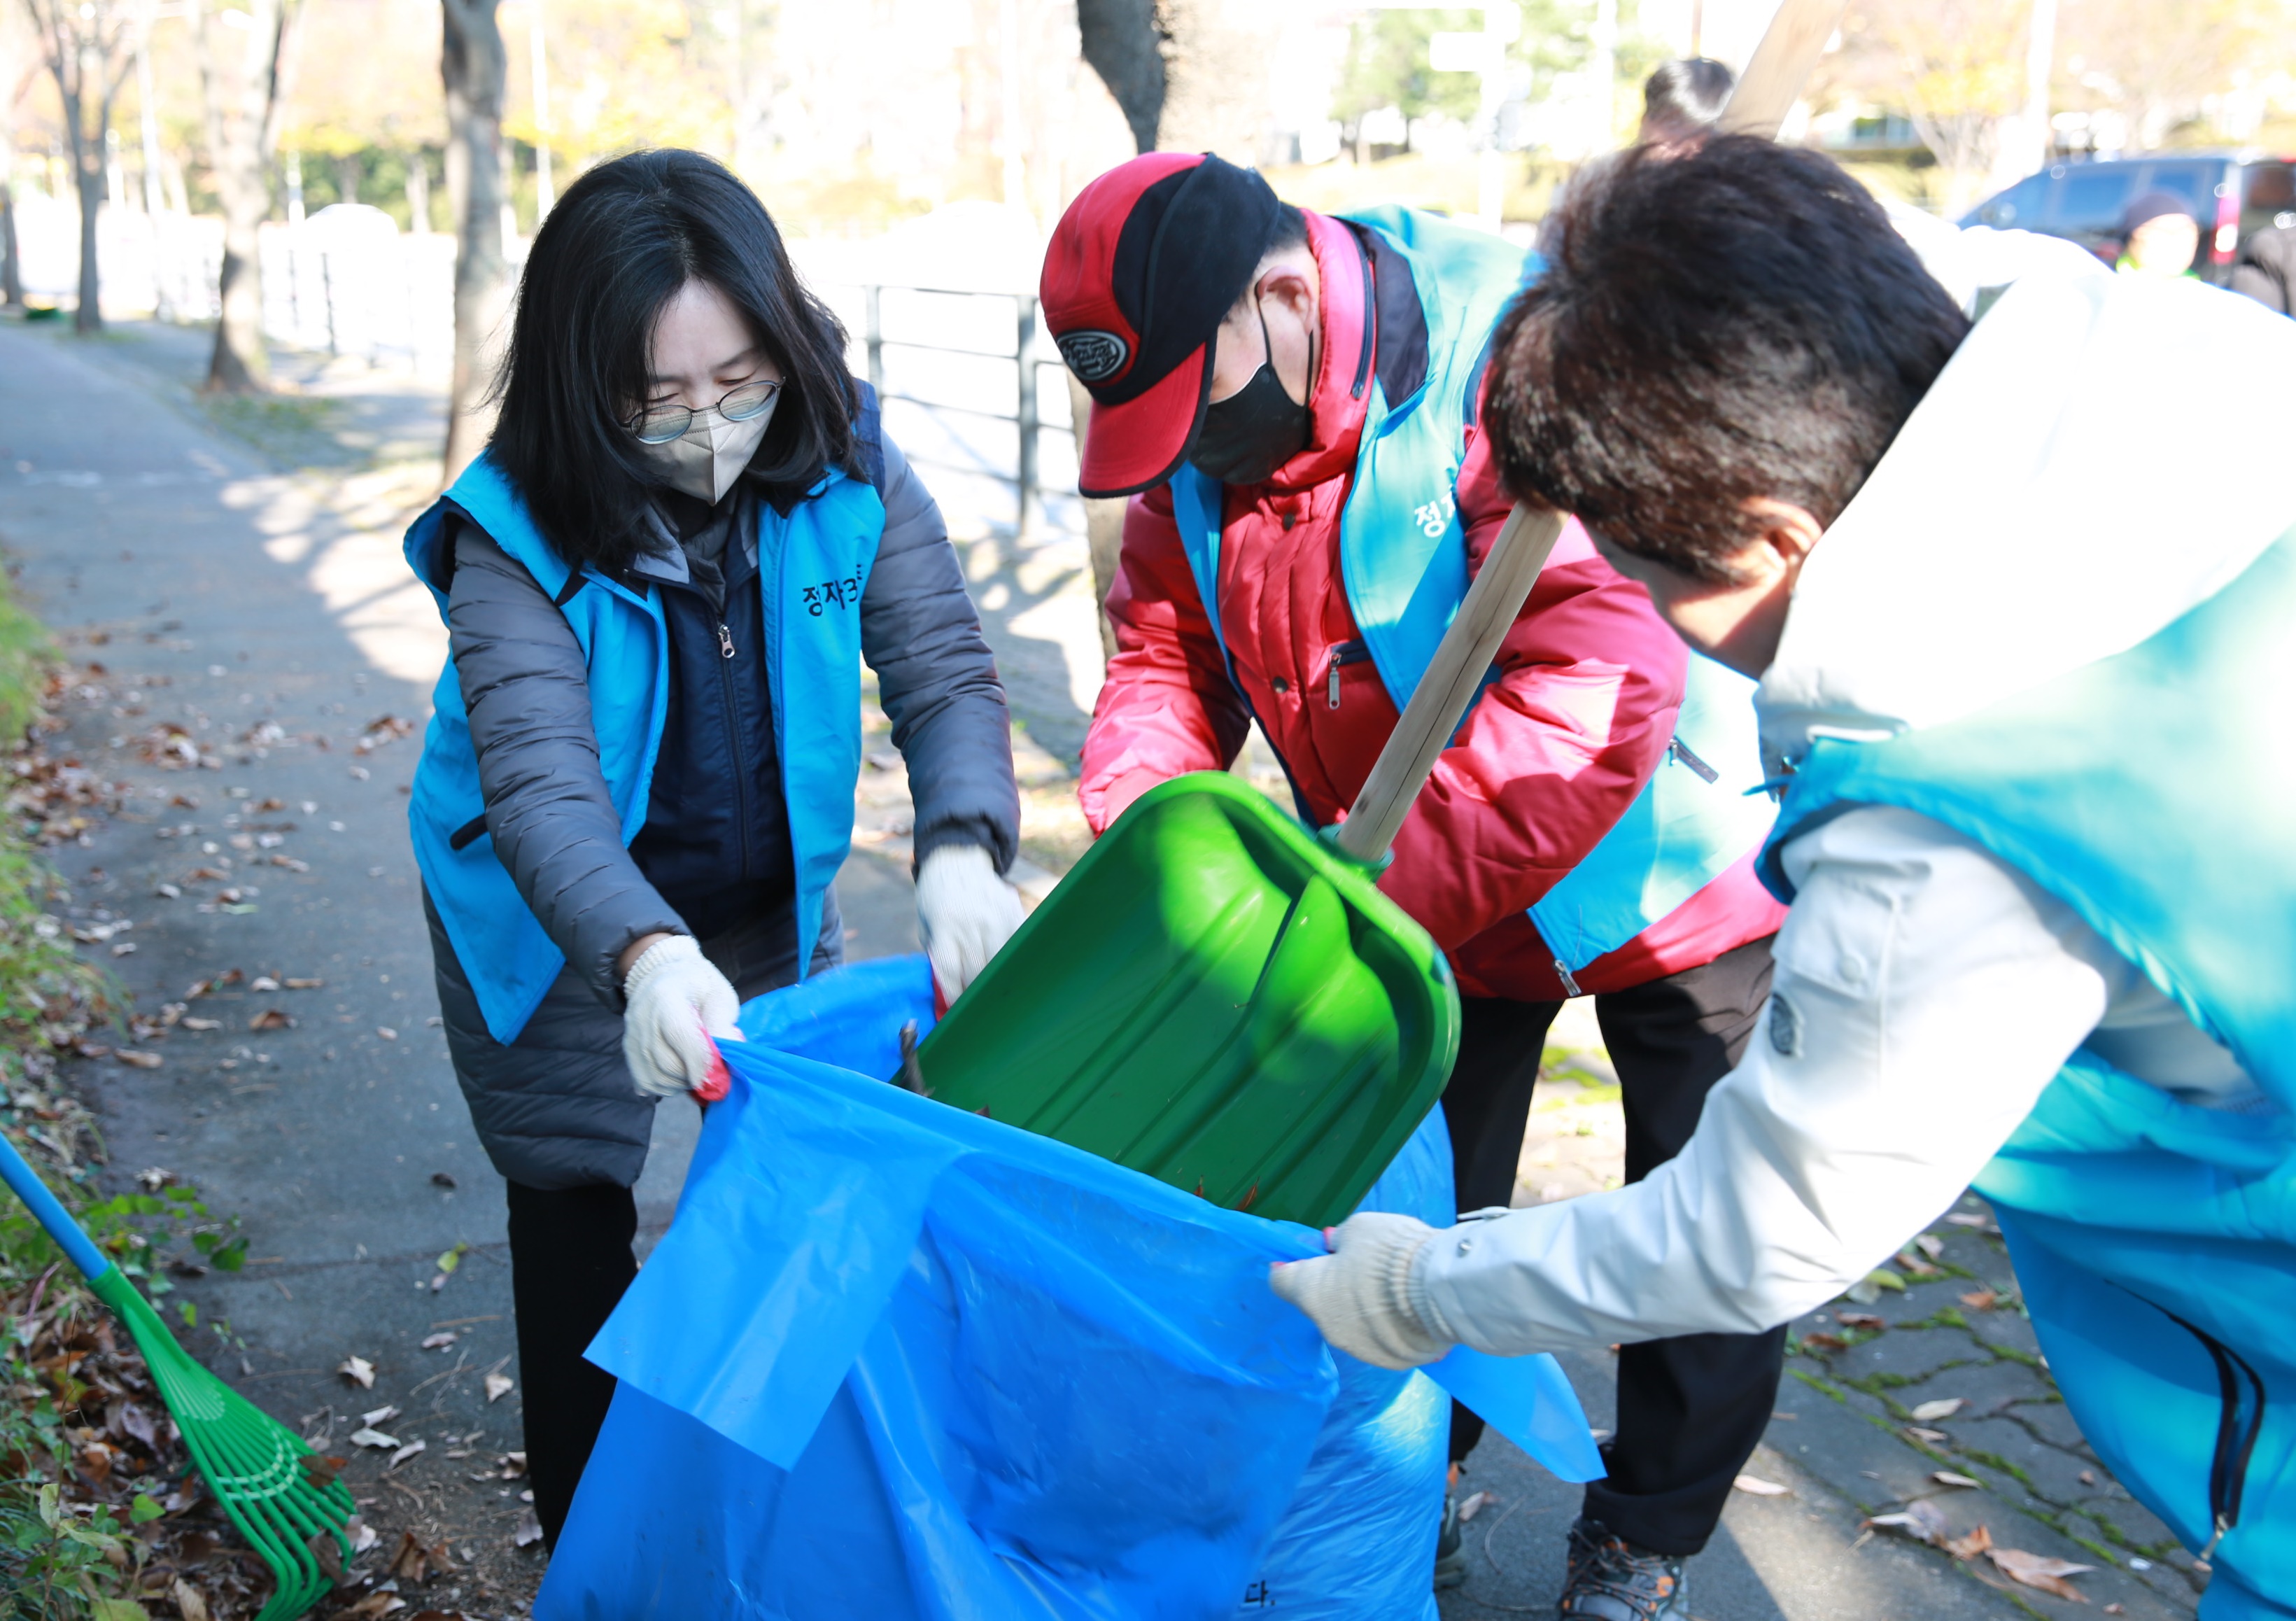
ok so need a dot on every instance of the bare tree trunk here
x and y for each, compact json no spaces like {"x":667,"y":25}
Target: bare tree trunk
{"x":1123,"y":43}
{"x":475,"y":68}
{"x":241,"y":113}
{"x":1217,"y":95}
{"x":11,"y":269}
{"x":89,"y":47}
{"x":753,"y":93}
{"x":418,"y":191}
{"x":87,"y":171}
{"x":11,"y":275}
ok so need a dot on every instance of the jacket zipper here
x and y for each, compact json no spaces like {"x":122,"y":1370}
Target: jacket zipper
{"x":2228,"y":1470}
{"x":1346,"y":652}
{"x":734,"y":740}
{"x":1678,"y":750}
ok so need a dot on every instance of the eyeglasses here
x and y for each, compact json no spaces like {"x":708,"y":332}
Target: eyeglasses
{"x":660,"y":424}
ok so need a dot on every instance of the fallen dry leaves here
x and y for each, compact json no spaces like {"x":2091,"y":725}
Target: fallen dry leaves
{"x":1924,"y":1522}
{"x":2040,"y":1571}
{"x":1968,"y":1547}
{"x":1920,"y":1520}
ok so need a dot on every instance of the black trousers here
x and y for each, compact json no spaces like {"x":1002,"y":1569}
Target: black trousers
{"x":1691,"y":1409}
{"x":570,"y":1262}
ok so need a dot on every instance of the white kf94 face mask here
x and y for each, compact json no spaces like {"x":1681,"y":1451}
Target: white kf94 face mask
{"x":704,"y":461}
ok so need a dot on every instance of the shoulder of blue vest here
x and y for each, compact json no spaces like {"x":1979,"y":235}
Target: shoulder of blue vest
{"x":485,"y":494}
{"x":422,"y":546}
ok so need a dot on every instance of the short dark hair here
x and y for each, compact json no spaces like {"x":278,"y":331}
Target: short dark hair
{"x":1738,"y":322}
{"x":1288,"y":231}
{"x":1686,"y":95}
{"x":616,"y":249}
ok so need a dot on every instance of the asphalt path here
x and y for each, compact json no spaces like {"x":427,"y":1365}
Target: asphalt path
{"x":253,"y":666}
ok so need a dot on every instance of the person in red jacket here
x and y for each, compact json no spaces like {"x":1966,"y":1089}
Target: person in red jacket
{"x":1290,"y":401}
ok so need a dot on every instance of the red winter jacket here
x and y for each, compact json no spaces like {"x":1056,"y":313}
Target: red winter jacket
{"x":1548,"y":760}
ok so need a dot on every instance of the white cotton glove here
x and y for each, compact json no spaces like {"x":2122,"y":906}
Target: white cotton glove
{"x":676,"y":1003}
{"x":967,"y":913}
{"x":1360,"y":1294}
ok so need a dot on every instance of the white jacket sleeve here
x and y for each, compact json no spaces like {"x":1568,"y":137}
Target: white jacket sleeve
{"x":1925,"y":995}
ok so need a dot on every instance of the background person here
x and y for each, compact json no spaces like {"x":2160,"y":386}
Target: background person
{"x":2265,"y":267}
{"x":1683,"y":100}
{"x":2042,"y":888}
{"x":1290,"y":399}
{"x":2159,"y":236}
{"x":659,"y":582}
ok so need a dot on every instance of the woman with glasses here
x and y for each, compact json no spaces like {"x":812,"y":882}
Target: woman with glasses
{"x":661,"y":581}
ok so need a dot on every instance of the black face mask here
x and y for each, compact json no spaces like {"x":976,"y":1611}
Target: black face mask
{"x":1256,"y":430}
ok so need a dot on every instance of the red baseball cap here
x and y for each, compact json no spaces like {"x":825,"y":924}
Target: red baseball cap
{"x":1142,"y":270}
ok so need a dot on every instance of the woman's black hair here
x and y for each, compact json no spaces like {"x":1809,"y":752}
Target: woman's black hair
{"x":620,"y":243}
{"x":1734,"y":322}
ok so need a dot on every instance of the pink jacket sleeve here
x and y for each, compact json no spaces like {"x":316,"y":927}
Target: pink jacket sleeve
{"x":1555,"y":751}
{"x":1168,"y":706}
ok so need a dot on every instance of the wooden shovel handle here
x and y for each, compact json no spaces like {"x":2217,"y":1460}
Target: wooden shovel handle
{"x":1780,"y":66}
{"x":1452,"y":676}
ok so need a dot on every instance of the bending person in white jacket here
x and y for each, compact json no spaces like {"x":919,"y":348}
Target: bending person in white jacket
{"x":2026,"y":699}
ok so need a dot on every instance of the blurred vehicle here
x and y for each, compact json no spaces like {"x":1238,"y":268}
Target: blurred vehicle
{"x":2233,"y":195}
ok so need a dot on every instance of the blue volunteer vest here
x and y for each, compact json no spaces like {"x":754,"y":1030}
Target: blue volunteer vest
{"x":1403,"y":564}
{"x":2155,"y":1241}
{"x":811,"y":568}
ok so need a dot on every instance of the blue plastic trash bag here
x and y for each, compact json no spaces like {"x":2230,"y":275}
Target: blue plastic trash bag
{"x":897,"y":1360}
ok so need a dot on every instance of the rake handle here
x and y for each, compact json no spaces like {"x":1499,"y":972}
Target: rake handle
{"x":50,"y":1212}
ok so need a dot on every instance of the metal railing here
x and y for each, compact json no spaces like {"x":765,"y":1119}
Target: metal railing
{"x":1027,"y":417}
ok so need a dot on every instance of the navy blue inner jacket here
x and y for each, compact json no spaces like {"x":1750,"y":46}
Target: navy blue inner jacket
{"x":716,"y":842}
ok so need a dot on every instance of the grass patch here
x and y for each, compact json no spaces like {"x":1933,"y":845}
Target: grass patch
{"x":1876,"y":1384}
{"x":2011,"y":1354}
{"x":95,"y":1490}
{"x":1995,"y":1460}
{"x":1821,"y":1385}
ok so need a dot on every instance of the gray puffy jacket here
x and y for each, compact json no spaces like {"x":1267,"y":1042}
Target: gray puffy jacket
{"x":556,"y":1108}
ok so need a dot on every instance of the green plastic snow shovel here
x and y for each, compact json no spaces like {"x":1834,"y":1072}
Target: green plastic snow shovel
{"x":1220,"y":998}
{"x":252,"y":1463}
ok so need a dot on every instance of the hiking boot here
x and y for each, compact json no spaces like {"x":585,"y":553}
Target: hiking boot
{"x":1450,"y":1549}
{"x":1608,"y":1578}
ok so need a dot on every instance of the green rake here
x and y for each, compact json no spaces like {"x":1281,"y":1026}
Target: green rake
{"x":252,"y":1463}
